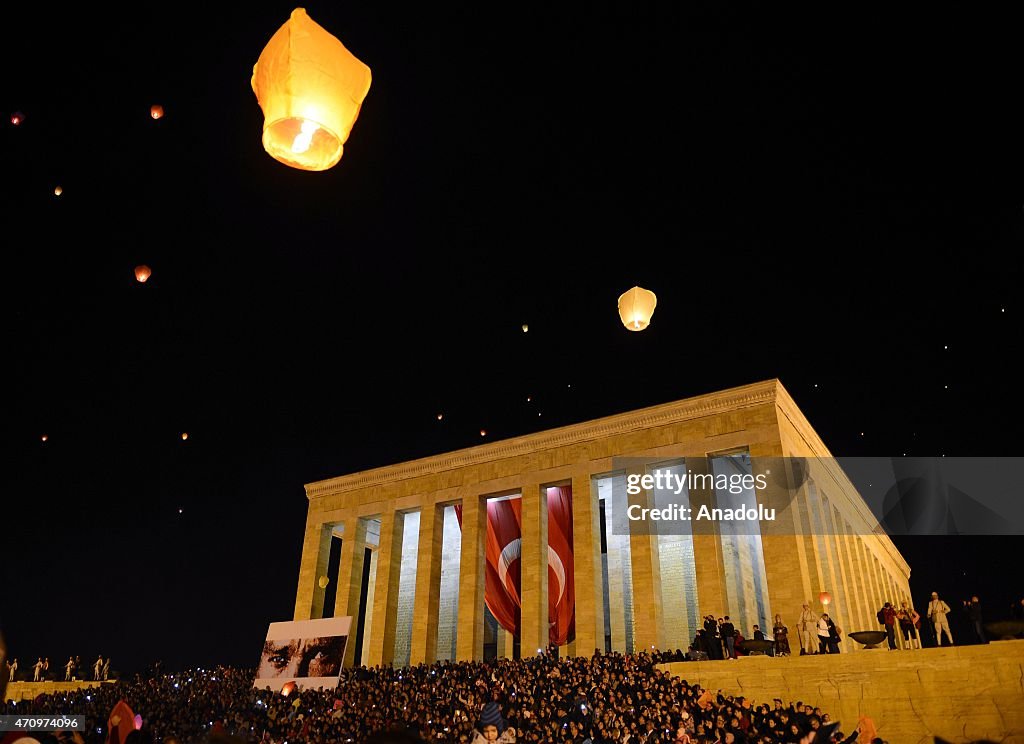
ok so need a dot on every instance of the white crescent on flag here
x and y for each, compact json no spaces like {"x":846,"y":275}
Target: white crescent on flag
{"x":513,"y":551}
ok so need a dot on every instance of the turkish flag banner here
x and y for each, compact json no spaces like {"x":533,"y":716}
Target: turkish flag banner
{"x":503,"y":585}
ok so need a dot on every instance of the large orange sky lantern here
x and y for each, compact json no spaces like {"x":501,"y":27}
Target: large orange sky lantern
{"x":310,"y":88}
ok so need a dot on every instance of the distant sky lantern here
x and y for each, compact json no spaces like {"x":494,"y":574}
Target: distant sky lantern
{"x":58,"y":191}
{"x":17,"y":117}
{"x":156,"y":111}
{"x":142,"y":273}
{"x":322,"y":582}
{"x":138,"y":721}
{"x":310,"y":88}
{"x":526,"y":327}
{"x":184,"y":436}
{"x":825,"y":598}
{"x":44,"y":438}
{"x":636,"y":307}
{"x":483,"y":432}
{"x":288,"y":689}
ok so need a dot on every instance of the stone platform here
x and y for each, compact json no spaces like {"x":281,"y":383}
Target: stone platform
{"x":961,"y":694}
{"x":19,"y":691}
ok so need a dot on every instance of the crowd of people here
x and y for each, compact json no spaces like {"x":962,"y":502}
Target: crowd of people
{"x":72,"y":669}
{"x":604,"y":699}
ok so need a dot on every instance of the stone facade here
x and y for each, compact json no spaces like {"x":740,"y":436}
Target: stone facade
{"x":960,"y":694}
{"x":19,"y":691}
{"x":426,"y":594}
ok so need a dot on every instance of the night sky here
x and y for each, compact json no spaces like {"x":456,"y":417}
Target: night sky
{"x":832,"y":200}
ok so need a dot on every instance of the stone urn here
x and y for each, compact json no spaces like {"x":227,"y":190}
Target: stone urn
{"x":870,"y":638}
{"x":756,"y":647}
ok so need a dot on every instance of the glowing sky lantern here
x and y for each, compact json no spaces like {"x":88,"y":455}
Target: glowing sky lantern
{"x":310,"y":88}
{"x":156,"y":111}
{"x":58,"y":191}
{"x":17,"y":117}
{"x":142,"y":273}
{"x":138,"y":721}
{"x":636,"y":306}
{"x":288,"y":689}
{"x":322,"y":582}
{"x":825,"y":598}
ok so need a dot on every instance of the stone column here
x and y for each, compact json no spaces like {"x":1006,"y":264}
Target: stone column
{"x":865,"y":614}
{"x":423,"y":645}
{"x":469,"y":645}
{"x":874,"y":595}
{"x":648,"y":615}
{"x":385,"y":595}
{"x":350,"y":578}
{"x":785,"y":564}
{"x":843,"y":597}
{"x":712,"y":593}
{"x":505,"y":643}
{"x":533,"y":589}
{"x":586,"y":536}
{"x":316,"y":552}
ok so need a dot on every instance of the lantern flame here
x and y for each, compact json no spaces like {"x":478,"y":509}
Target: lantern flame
{"x":142,"y":273}
{"x":305,"y":136}
{"x":156,"y":111}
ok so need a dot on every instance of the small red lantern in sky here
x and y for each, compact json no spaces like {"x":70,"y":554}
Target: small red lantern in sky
{"x":58,"y":191}
{"x":44,"y":437}
{"x":825,"y":598}
{"x":156,"y":111}
{"x":142,"y":273}
{"x":288,"y":689}
{"x":184,"y":436}
{"x":17,"y":117}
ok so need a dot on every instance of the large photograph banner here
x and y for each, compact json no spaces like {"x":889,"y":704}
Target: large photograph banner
{"x":309,"y":653}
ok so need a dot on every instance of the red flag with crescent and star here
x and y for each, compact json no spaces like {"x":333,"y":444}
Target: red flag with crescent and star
{"x":502,"y":589}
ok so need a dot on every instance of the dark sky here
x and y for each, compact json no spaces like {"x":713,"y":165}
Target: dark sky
{"x":831,"y":199}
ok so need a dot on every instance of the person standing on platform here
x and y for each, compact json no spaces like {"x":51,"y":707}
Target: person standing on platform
{"x":937,"y":611}
{"x":973,"y":609}
{"x":97,"y":668}
{"x":824,"y":635}
{"x":805,"y":625}
{"x":1017,"y":610}
{"x":12,"y":669}
{"x":909,"y":621}
{"x":781,"y":634}
{"x":69,"y":669}
{"x":728,"y":631}
{"x":106,"y":669}
{"x":888,"y":615}
{"x":37,"y":670}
